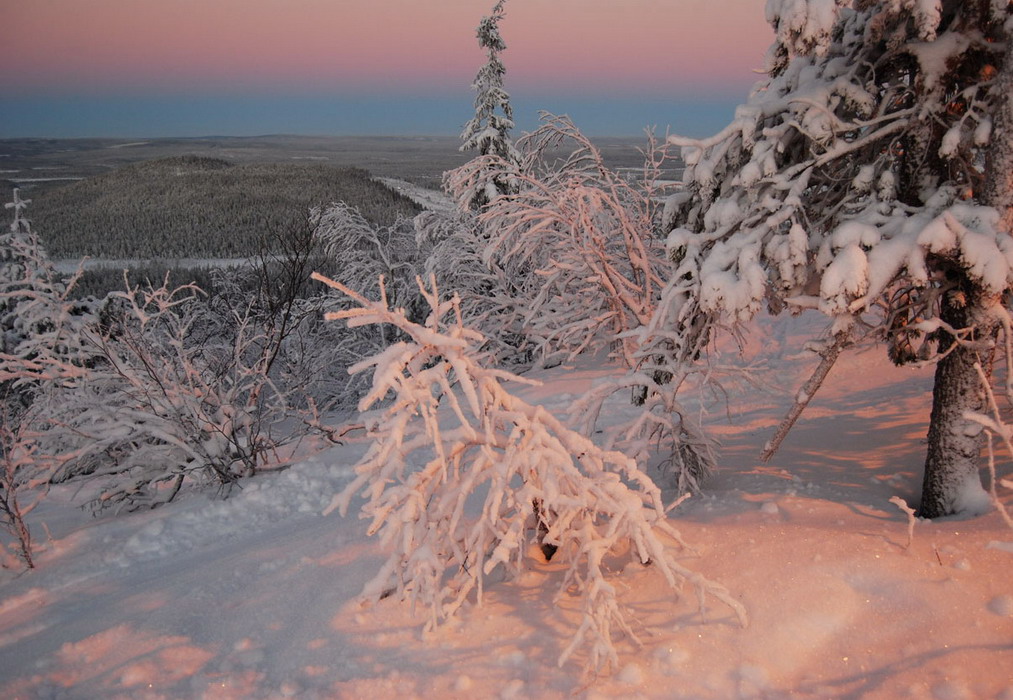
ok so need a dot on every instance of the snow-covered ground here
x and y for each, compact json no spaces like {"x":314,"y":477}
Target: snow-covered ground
{"x":424,"y":197}
{"x":69,"y":266}
{"x":256,"y":596}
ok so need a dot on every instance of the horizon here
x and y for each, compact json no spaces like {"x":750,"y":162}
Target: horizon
{"x":118,"y":69}
{"x":113,"y":118}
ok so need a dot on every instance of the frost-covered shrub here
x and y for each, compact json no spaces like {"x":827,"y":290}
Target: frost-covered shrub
{"x":274,"y":293}
{"x":576,"y":241}
{"x":25,"y":474}
{"x":362,"y":252}
{"x":463,"y":477}
{"x":170,"y":399}
{"x":662,"y":429}
{"x":153,"y":388}
{"x":456,"y":245}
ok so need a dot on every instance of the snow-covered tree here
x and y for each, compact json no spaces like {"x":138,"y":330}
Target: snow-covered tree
{"x":488,"y":131}
{"x":38,"y":321}
{"x":361,"y":252}
{"x":462,"y":476}
{"x":581,"y":268}
{"x":455,"y":243}
{"x":868,"y":177}
{"x":576,"y":241}
{"x":39,"y":351}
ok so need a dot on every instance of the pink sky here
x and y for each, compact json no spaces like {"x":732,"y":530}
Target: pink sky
{"x":382,"y":46}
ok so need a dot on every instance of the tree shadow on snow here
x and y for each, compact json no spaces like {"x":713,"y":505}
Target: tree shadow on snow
{"x":874,"y":680}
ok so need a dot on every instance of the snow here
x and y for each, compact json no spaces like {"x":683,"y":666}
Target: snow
{"x":933,"y":55}
{"x":257,"y":596}
{"x":424,"y":197}
{"x":802,"y":23}
{"x":1001,"y":605}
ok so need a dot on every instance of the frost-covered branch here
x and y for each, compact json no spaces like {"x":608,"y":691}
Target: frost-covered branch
{"x":993,"y":425}
{"x":451,"y":441}
{"x":576,"y":240}
{"x":828,"y":357}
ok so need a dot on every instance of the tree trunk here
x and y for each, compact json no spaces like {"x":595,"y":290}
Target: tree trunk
{"x":954,"y":443}
{"x":951,"y":464}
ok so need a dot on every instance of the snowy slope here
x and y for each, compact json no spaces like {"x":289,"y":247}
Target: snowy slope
{"x":424,"y":197}
{"x":256,"y":596}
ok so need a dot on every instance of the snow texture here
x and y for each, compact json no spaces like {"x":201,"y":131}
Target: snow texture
{"x":258,"y":596}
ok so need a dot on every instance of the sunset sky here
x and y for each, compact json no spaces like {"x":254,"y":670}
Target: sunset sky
{"x":238,"y":67}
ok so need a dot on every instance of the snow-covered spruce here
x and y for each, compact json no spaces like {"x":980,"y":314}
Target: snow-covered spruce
{"x":862,"y":178}
{"x":448,"y":433}
{"x":488,"y":132}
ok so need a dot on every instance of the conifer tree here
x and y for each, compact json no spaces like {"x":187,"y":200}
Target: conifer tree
{"x":38,"y":323}
{"x":867,"y":177}
{"x":488,"y":132}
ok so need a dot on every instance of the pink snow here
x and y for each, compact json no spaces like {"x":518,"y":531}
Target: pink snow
{"x":257,"y":596}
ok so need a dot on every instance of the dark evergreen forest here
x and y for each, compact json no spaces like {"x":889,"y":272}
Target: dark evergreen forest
{"x":197,"y":207}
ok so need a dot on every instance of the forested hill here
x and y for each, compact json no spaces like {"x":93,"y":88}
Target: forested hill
{"x":196,"y":207}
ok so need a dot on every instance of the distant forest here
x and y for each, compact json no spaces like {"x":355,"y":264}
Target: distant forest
{"x":197,"y":207}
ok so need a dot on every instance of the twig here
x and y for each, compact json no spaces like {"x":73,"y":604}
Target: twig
{"x":1002,"y":430}
{"x":902,"y":504}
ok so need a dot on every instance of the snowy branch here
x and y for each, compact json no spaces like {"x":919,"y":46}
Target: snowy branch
{"x":452,"y":435}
